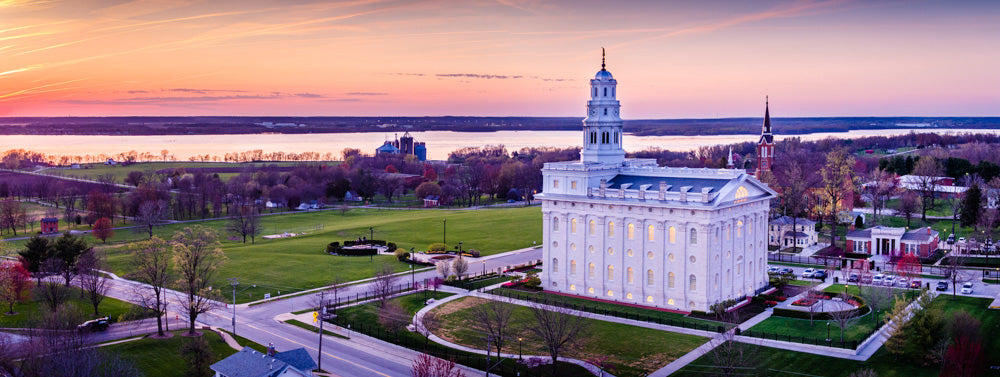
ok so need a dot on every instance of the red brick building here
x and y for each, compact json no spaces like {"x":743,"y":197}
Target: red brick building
{"x":50,"y":225}
{"x":883,"y":240}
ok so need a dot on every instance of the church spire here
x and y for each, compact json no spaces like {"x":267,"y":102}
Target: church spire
{"x":602,"y":59}
{"x":729,"y":162}
{"x":767,"y":117}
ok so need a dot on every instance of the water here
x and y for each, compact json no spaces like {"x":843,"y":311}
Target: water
{"x":439,"y":143}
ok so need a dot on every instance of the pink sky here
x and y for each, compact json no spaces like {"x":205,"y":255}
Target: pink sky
{"x":697,"y":59}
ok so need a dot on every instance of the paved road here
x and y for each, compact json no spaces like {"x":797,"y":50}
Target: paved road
{"x":359,"y":356}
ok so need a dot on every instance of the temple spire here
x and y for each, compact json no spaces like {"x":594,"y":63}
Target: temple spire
{"x":602,"y":59}
{"x":729,"y":162}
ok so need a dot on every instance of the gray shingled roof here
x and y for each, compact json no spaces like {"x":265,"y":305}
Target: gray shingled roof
{"x":919,"y":235}
{"x":297,"y":358}
{"x":864,"y":233}
{"x":675,"y":182}
{"x":249,"y":363}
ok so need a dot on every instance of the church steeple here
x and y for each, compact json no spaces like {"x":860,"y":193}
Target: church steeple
{"x":767,"y":117}
{"x":765,"y":146}
{"x":602,"y":129}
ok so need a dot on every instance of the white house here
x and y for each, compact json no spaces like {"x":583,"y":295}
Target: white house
{"x":782,"y":233}
{"x":629,"y":230}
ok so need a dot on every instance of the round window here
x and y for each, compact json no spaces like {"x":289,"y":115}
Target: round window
{"x":649,"y":255}
{"x":630,"y":253}
{"x":692,"y":259}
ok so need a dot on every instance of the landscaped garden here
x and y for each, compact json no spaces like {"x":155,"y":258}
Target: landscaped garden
{"x":162,"y":357}
{"x":630,"y":350}
{"x":366,"y":319}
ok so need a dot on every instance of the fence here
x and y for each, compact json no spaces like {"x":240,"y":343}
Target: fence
{"x":847,"y":344}
{"x":844,"y":262}
{"x":606,"y":310}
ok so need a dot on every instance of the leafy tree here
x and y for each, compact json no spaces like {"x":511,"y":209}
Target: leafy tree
{"x":102,"y":229}
{"x":68,"y":248}
{"x":427,"y":189}
{"x":972,"y":205}
{"x":14,"y":281}
{"x":338,"y":188}
{"x":838,"y":181}
{"x":150,"y":262}
{"x":197,"y":256}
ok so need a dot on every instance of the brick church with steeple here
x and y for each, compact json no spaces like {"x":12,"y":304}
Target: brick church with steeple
{"x":765,"y":147}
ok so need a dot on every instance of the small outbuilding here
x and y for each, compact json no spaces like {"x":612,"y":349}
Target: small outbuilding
{"x":49,"y":225}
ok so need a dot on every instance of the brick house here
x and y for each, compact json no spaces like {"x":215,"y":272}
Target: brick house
{"x":49,"y":225}
{"x":883,"y":240}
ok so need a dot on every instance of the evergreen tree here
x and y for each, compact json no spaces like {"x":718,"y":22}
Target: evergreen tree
{"x":972,"y":204}
{"x":36,"y":250}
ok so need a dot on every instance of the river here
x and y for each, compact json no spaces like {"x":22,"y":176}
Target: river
{"x":439,"y":143}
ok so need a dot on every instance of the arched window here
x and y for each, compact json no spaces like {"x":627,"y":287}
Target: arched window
{"x":611,"y":272}
{"x":572,"y":226}
{"x":729,"y":277}
{"x":555,"y":265}
{"x":670,"y":279}
{"x":629,"y":275}
{"x":651,"y":233}
{"x":595,"y":92}
{"x":631,"y":231}
{"x":739,"y":228}
{"x":605,"y":92}
{"x":729,"y":231}
{"x":716,"y":281}
{"x":605,"y":111}
{"x":612,"y":92}
{"x":650,"y":278}
{"x":593,"y":227}
{"x":692,"y":283}
{"x":741,"y":194}
{"x":672,"y":234}
{"x":616,"y":137}
{"x":611,"y":229}
{"x":628,"y":296}
{"x":694,"y":236}
{"x":572,"y":267}
{"x":590,"y":270}
{"x":555,"y":224}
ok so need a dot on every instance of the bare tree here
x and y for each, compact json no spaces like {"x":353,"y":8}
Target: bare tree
{"x":429,"y":366}
{"x":50,"y":292}
{"x":151,"y":265}
{"x":877,"y":298}
{"x":793,"y":196}
{"x":927,"y":171}
{"x":908,"y":205}
{"x":557,"y":329}
{"x":382,"y":285}
{"x":732,"y":358}
{"x":393,"y":317}
{"x":953,"y":269}
{"x":838,"y":181}
{"x":95,"y":286}
{"x":843,"y":318}
{"x":245,"y":222}
{"x":151,"y":212}
{"x":197,"y":255}
{"x":460,"y":266}
{"x":443,"y":268}
{"x":494,"y":318}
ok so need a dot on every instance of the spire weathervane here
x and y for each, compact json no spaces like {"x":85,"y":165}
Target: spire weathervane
{"x":602,"y":58}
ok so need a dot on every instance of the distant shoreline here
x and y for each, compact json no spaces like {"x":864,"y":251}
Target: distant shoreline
{"x":152,"y":126}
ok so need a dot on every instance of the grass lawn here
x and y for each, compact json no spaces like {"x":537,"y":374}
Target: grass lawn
{"x":162,"y":357}
{"x":634,"y":351}
{"x":298,"y":263}
{"x":364,"y":318}
{"x":777,"y":362}
{"x":92,"y":171}
{"x":30,"y":311}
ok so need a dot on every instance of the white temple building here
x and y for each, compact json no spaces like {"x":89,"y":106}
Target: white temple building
{"x":632,"y":231}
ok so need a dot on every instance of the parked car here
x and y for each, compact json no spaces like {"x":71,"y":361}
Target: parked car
{"x":819,"y":274}
{"x":99,"y":324}
{"x":916,"y":284}
{"x":786,"y":270}
{"x":808,"y":273}
{"x":941,"y":286}
{"x":951,"y":239}
{"x":967,"y":288}
{"x":889,"y":280}
{"x":877,"y":279}
{"x":866,"y":279}
{"x":961,"y":239}
{"x":902,"y":283}
{"x":853,"y":278}
{"x":772,"y":270}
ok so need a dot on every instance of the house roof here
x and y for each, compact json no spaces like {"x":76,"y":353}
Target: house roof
{"x":249,"y":363}
{"x":796,"y":234}
{"x":50,"y":220}
{"x":786,"y":220}
{"x":863,"y":233}
{"x":297,"y":358}
{"x":920,"y":235}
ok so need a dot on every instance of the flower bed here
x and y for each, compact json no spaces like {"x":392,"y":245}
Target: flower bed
{"x":442,"y":257}
{"x":805,"y":302}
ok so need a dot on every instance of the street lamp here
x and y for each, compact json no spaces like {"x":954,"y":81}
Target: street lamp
{"x":235,"y":282}
{"x":444,"y":231}
{"x":371,"y":233}
{"x":828,"y":331}
{"x":520,"y":356}
{"x":413,"y":281}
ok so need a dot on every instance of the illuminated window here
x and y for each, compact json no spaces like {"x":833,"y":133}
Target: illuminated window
{"x":741,"y":194}
{"x":692,"y":283}
{"x":572,"y":287}
{"x":631,"y":231}
{"x":716,"y":281}
{"x":611,"y":272}
{"x":628,"y":296}
{"x":611,"y":251}
{"x":649,"y":255}
{"x":630,"y":252}
{"x":672,"y":234}
{"x":590,"y":248}
{"x":670,"y":279}
{"x":572,"y":267}
{"x":694,"y":236}
{"x":593,"y":228}
{"x":670,"y":301}
{"x":611,"y":293}
{"x":611,"y":229}
{"x":590,"y":290}
{"x":555,"y":224}
{"x":729,"y":231}
{"x":649,"y":298}
{"x":629,"y":275}
{"x":555,"y":183}
{"x":590,"y":270}
{"x":671,"y":257}
{"x":651,"y":233}
{"x":572,"y":226}
{"x":572,"y":184}
{"x":739,"y":228}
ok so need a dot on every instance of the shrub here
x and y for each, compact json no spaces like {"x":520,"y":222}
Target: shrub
{"x":532,"y":281}
{"x":437,"y":247}
{"x":474,"y":253}
{"x":333,"y":248}
{"x":357,"y":252}
{"x":401,"y":254}
{"x":391,"y":245}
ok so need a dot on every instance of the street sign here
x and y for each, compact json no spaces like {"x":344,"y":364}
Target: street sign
{"x":315,"y":316}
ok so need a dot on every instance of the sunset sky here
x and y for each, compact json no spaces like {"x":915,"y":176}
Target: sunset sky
{"x":673,"y":59}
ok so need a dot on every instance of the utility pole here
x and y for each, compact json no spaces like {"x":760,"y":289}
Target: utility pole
{"x":322,"y":318}
{"x":234,"y":282}
{"x":444,"y":236}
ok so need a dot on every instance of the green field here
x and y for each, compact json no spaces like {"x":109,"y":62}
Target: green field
{"x":31,"y":311}
{"x":119,"y":172}
{"x":162,"y":357}
{"x":633,"y":350}
{"x":364,"y":318}
{"x":298,"y":263}
{"x":777,"y":362}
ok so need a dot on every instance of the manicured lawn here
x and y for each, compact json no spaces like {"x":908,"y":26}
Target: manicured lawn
{"x":31,"y":311}
{"x":298,"y":263}
{"x":613,"y":309}
{"x":364,"y":318}
{"x":162,"y":357}
{"x":92,"y":171}
{"x":634,"y":351}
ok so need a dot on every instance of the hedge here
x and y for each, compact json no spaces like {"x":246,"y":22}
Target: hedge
{"x":357,"y":252}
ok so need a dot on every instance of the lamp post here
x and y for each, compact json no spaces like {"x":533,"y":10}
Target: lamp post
{"x":444,"y":231}
{"x":520,"y":356}
{"x":828,"y":331}
{"x":371,"y":233}
{"x":235,"y":282}
{"x":413,"y":281}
